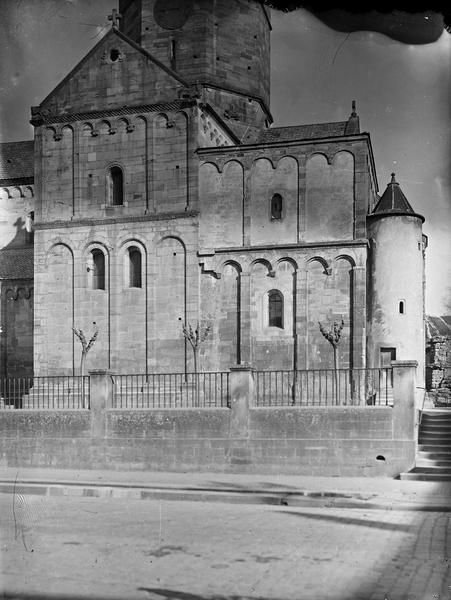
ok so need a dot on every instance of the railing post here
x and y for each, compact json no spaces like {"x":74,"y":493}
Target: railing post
{"x":404,"y":399}
{"x":100,"y":399}
{"x":242,"y":392}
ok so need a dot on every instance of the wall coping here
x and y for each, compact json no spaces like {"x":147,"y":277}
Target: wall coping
{"x":404,"y":363}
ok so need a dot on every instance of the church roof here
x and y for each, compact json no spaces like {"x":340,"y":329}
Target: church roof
{"x":393,"y":200}
{"x":16,"y":263}
{"x":16,"y":161}
{"x":303,"y":132}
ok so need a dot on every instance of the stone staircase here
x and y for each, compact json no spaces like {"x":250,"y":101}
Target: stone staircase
{"x":433,"y":461}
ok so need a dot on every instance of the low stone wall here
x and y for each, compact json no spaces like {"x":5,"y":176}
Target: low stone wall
{"x":339,"y":440}
{"x":343,"y":441}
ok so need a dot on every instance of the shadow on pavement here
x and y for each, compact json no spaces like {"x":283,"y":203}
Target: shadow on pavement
{"x":151,"y":594}
{"x":350,"y":520}
{"x":165,"y":594}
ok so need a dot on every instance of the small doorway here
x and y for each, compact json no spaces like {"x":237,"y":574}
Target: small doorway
{"x":385,"y":357}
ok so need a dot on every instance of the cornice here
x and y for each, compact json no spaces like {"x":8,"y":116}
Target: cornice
{"x":299,"y":245}
{"x":43,"y":119}
{"x":283,"y":144}
{"x":113,"y":220}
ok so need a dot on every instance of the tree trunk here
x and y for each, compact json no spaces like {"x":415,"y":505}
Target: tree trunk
{"x":82,"y":374}
{"x":196,"y":376}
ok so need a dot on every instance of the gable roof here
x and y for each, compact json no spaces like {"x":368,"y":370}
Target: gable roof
{"x":16,"y":263}
{"x":111,"y":33}
{"x":16,"y":162}
{"x":303,"y":132}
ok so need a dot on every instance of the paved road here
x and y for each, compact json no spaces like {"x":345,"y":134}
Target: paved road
{"x":115,"y":548}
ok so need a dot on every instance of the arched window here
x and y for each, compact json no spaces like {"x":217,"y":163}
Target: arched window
{"x":116,"y":186}
{"x":98,"y":270}
{"x":402,"y":307}
{"x":275,"y":309}
{"x":276,"y":207}
{"x":134,"y":262}
{"x":29,"y":221}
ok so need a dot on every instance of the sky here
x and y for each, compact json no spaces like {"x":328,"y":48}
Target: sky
{"x":403,"y":95}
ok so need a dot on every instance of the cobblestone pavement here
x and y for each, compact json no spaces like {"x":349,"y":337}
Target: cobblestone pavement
{"x":73,"y":548}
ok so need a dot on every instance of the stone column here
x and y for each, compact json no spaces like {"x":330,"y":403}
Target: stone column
{"x":245,"y":319}
{"x":302,"y":317}
{"x":359,"y":317}
{"x":404,"y":376}
{"x":302,"y":193}
{"x":242,"y":391}
{"x":100,"y":399}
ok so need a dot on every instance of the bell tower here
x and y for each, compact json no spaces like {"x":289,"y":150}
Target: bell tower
{"x":221,"y":45}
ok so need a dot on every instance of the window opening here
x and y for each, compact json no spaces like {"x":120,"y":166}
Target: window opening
{"x":98,"y":270}
{"x":29,"y":221}
{"x":134,"y":256}
{"x":114,"y":54}
{"x":116,"y":183}
{"x":275,"y":309}
{"x":401,"y":307}
{"x":276,"y":207}
{"x":172,"y":52}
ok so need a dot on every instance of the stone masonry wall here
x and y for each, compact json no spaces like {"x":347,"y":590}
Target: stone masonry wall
{"x":344,"y":441}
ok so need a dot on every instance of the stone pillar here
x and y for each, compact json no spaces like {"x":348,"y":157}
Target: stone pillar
{"x":245,"y":319}
{"x":242,"y":393}
{"x":404,"y":376}
{"x":359,"y":317}
{"x":361,"y":194}
{"x":301,"y":318}
{"x":247,"y":205}
{"x":100,"y":399}
{"x":302,"y":194}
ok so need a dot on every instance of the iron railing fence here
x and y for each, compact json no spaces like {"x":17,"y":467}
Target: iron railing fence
{"x":49,"y":392}
{"x":325,"y":387}
{"x":171,"y":390}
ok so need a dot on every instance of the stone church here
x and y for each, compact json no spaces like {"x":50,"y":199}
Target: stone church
{"x":157,"y":192}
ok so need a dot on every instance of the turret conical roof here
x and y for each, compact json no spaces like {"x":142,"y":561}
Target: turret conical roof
{"x":393,"y":200}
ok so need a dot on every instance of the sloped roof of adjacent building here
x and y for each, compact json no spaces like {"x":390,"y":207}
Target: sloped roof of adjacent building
{"x":303,"y":132}
{"x":16,"y":263}
{"x":393,"y":200}
{"x":16,"y":162}
{"x":438,"y":326}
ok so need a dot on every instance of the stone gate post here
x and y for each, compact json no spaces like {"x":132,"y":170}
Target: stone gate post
{"x":100,"y":399}
{"x":404,"y":377}
{"x":242,"y":392}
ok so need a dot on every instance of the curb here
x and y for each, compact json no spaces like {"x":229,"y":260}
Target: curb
{"x":275,"y":498}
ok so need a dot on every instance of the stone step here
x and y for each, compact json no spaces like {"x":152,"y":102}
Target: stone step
{"x":434,"y":448}
{"x":431,"y":463}
{"x":435,"y":455}
{"x":440,"y":470}
{"x":413,"y":476}
{"x":434,"y":441}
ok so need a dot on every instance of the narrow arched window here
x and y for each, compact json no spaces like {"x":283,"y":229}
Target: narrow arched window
{"x":98,"y":270}
{"x":275,"y":309}
{"x":402,"y":307}
{"x":29,"y":221}
{"x":116,"y":186}
{"x":276,"y":207}
{"x":134,"y":262}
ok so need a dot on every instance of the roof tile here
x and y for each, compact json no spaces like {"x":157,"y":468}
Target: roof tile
{"x":17,"y":160}
{"x":16,"y":263}
{"x":303,"y":132}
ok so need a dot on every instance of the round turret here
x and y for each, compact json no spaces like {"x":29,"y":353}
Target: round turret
{"x":396,"y":282}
